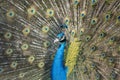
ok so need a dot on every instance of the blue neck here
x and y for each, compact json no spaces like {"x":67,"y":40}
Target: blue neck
{"x":58,"y":68}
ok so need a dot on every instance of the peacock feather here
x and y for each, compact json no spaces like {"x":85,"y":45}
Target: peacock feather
{"x":72,"y":55}
{"x":87,"y":45}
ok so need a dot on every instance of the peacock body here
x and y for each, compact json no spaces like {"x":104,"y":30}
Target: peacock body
{"x":59,"y":71}
{"x":88,"y":49}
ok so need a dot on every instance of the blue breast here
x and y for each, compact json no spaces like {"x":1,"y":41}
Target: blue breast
{"x":58,"y":69}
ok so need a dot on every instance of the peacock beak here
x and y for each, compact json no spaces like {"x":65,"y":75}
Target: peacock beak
{"x":56,"y":40}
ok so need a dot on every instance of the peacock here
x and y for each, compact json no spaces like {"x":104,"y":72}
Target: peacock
{"x":59,"y":39}
{"x":59,"y":71}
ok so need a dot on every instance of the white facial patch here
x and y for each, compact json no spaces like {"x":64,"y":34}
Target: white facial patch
{"x":56,"y":40}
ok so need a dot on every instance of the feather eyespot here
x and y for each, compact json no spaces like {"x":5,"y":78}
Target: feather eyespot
{"x":31,"y":11}
{"x":94,"y":21}
{"x":111,"y":59}
{"x":8,"y":35}
{"x":50,"y":12}
{"x":10,"y":14}
{"x":45,"y":29}
{"x":21,"y":75}
{"x":107,"y":17}
{"x":9,"y":51}
{"x":93,"y":48}
{"x":113,"y":75}
{"x":93,"y":2}
{"x":93,"y":65}
{"x":76,"y":2}
{"x":1,"y":70}
{"x":26,"y":31}
{"x":13,"y":65}
{"x":31,"y":59}
{"x":97,"y":76}
{"x":66,"y":20}
{"x":118,"y":18}
{"x":41,"y":64}
{"x":88,"y":38}
{"x":24,"y":47}
{"x":102,"y":35}
{"x":103,"y":55}
{"x":83,"y":14}
{"x":46,"y":44}
{"x":112,"y":39}
{"x":82,"y":31}
{"x":73,"y":32}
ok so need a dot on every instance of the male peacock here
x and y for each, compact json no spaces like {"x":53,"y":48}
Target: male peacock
{"x":90,"y":39}
{"x":59,"y":71}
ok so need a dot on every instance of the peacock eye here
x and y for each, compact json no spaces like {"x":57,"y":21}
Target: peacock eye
{"x":9,"y":51}
{"x":81,"y":32}
{"x":111,"y":59}
{"x":24,"y":46}
{"x":103,"y":55}
{"x":113,"y":75}
{"x":73,"y":32}
{"x":31,"y":59}
{"x":83,"y":14}
{"x":26,"y":31}
{"x":102,"y":35}
{"x":88,"y":38}
{"x":107,"y":17}
{"x":97,"y":76}
{"x":94,"y":21}
{"x":66,"y":21}
{"x":46,"y":44}
{"x":76,"y":2}
{"x":93,"y":48}
{"x":31,"y":11}
{"x":45,"y":29}
{"x":11,"y":14}
{"x":94,"y":2}
{"x":21,"y":75}
{"x":118,"y":18}
{"x":41,"y":64}
{"x":13,"y":65}
{"x":93,"y":65}
{"x":50,"y":12}
{"x":112,"y":39}
{"x":8,"y":35}
{"x":1,"y":70}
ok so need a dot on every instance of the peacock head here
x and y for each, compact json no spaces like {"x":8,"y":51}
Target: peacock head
{"x":60,"y":37}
